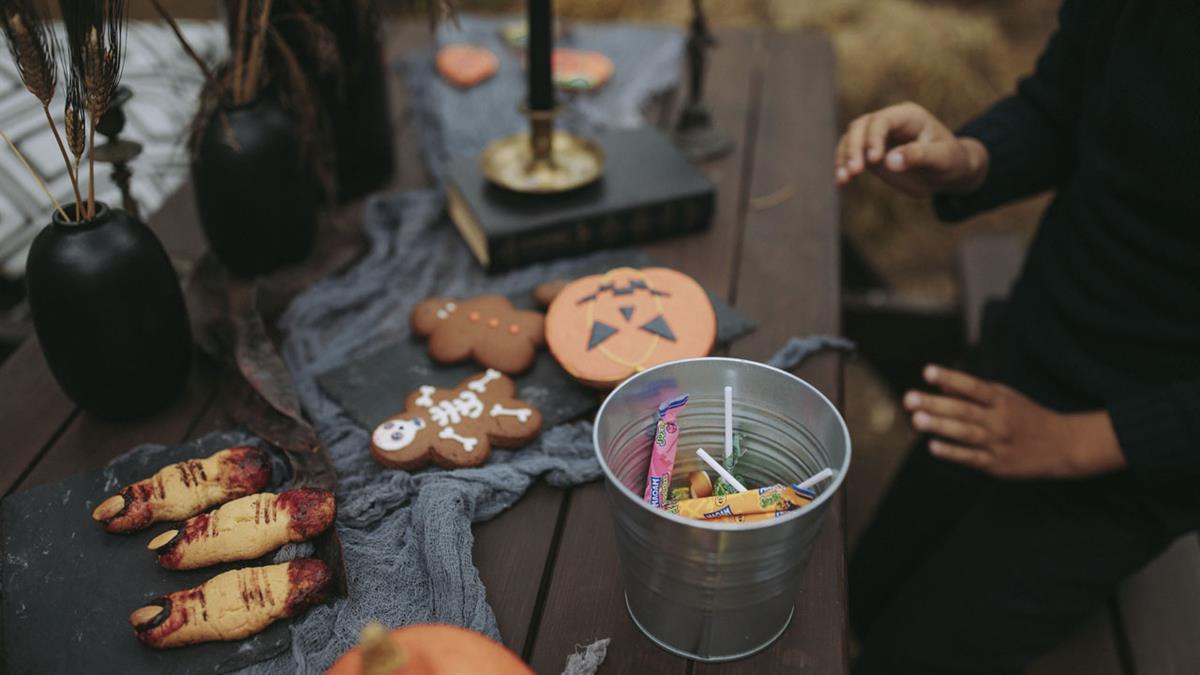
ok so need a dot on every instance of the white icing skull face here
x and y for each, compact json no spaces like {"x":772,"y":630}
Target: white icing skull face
{"x":397,"y":434}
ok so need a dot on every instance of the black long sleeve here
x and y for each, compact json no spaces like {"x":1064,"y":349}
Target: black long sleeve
{"x":1030,"y":136}
{"x":1108,"y":304}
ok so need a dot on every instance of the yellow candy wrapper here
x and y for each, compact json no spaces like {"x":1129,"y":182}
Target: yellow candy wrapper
{"x":749,"y":517}
{"x":763,"y":500}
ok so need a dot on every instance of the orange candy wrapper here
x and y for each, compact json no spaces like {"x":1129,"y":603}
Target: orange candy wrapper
{"x":765,"y":500}
{"x":748,"y":517}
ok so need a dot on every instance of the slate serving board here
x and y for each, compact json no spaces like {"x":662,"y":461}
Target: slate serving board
{"x":69,"y":586}
{"x":374,"y":387}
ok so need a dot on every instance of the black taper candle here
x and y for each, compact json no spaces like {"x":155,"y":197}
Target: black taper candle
{"x":540,"y":43}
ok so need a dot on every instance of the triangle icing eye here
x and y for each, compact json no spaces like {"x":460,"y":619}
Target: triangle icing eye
{"x":658,"y":326}
{"x":600,"y":332}
{"x":627,"y":311}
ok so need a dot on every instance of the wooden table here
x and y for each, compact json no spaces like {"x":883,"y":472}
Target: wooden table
{"x":550,"y":562}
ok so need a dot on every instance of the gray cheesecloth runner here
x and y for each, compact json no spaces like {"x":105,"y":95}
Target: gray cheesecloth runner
{"x":407,"y":537}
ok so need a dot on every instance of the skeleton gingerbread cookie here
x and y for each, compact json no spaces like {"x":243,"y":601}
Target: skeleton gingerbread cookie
{"x":487,"y":329}
{"x":456,"y":428}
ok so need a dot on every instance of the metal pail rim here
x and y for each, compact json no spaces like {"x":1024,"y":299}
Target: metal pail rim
{"x":838,"y":478}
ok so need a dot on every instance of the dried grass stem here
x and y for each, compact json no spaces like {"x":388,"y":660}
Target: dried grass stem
{"x":58,"y":207}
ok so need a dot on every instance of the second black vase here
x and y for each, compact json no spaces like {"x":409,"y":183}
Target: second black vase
{"x":361,"y":118}
{"x":353,"y":95}
{"x":256,"y":198}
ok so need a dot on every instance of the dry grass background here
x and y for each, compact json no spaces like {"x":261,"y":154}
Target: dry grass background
{"x":954,"y":57}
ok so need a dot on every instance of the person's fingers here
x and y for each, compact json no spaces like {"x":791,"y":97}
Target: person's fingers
{"x":944,"y":406}
{"x":960,"y":384}
{"x":964,"y":432}
{"x":876,"y":135}
{"x":912,"y":184}
{"x":854,"y":145}
{"x":908,"y":121}
{"x":974,"y":458}
{"x":935,"y":156}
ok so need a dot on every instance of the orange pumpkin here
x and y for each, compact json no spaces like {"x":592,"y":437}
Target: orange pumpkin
{"x":427,"y":649}
{"x":605,"y":327}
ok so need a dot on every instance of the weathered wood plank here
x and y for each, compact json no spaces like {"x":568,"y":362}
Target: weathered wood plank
{"x":89,"y":443}
{"x":586,"y":599}
{"x":1160,"y":611}
{"x":512,"y":552}
{"x":32,"y":410}
{"x":788,"y":281}
{"x":988,"y":266}
{"x":709,"y":256}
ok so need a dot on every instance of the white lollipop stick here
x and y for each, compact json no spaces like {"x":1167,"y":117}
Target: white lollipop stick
{"x":728,"y":477}
{"x":728,"y":423}
{"x":823,"y":474}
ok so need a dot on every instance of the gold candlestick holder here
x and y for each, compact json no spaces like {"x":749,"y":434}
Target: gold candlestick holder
{"x":543,"y":160}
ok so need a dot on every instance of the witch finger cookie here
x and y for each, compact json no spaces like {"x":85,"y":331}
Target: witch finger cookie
{"x":456,"y":428}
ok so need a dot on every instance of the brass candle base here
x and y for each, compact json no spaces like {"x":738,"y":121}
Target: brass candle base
{"x":544,"y":160}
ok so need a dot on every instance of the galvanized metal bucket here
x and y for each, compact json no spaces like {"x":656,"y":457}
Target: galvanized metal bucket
{"x":703,"y":590}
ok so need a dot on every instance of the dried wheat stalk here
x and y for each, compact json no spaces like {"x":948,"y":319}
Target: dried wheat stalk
{"x":183,"y":42}
{"x":239,"y":48}
{"x":13,"y":146}
{"x":35,"y":52}
{"x":254,"y":60}
{"x":75,"y":119}
{"x":96,"y":38}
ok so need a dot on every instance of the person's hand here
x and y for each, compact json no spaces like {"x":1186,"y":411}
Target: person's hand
{"x":911,"y":150}
{"x":995,"y":429}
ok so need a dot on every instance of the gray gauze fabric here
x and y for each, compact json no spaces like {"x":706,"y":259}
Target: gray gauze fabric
{"x":456,"y":122}
{"x":587,"y":661}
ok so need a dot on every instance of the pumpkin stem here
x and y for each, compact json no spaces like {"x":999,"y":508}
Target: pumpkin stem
{"x":381,"y":656}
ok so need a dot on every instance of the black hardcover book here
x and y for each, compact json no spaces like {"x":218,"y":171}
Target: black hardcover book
{"x":649,"y":190}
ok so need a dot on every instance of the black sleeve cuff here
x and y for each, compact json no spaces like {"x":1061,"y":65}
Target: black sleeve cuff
{"x":1159,"y":432}
{"x":1003,"y":161}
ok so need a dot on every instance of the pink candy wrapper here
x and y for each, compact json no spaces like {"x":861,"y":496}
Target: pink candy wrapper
{"x":662,"y":452}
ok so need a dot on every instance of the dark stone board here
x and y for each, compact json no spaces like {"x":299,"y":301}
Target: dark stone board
{"x":374,"y":387}
{"x":69,"y":586}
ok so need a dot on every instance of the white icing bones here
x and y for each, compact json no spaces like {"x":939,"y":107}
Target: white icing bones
{"x":522,"y":414}
{"x":467,"y":443}
{"x":397,"y":434}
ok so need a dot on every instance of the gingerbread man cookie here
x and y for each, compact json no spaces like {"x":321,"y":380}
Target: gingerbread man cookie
{"x":487,"y":329}
{"x":456,"y":428}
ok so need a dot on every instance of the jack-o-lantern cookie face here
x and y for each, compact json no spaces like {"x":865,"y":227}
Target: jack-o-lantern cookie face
{"x":487,"y":329}
{"x":456,"y":428}
{"x":606,"y":327}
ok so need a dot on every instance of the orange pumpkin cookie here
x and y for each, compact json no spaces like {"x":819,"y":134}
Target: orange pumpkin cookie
{"x":466,"y":65}
{"x":487,"y":329}
{"x":456,"y":428}
{"x":580,"y":70}
{"x":605,"y":327}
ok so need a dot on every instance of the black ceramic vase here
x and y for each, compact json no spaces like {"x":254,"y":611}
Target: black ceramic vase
{"x":353,"y":95}
{"x":256,"y":198}
{"x":361,"y":118}
{"x":109,"y":313}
